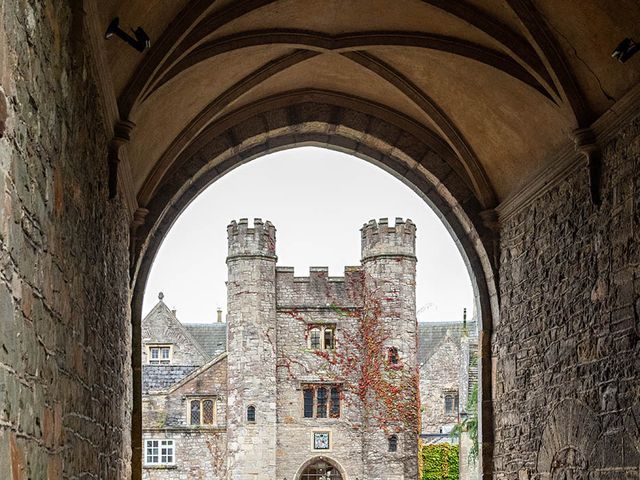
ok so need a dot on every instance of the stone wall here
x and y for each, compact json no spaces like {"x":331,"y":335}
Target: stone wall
{"x":439,"y":374}
{"x":200,"y":451}
{"x":64,"y":332}
{"x":568,"y":359}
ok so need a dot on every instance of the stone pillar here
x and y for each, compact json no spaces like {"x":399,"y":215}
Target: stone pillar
{"x":251,"y":346}
{"x":389,"y":262}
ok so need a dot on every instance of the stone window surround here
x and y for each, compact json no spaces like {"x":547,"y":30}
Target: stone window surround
{"x":201,"y":398}
{"x":393,"y":443}
{"x":322,"y":327}
{"x":455,"y":402}
{"x":251,"y":411}
{"x":151,"y":346}
{"x":160,"y":464}
{"x":315,"y":385}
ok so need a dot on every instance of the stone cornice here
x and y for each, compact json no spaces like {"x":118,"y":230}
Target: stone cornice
{"x":569,"y":158}
{"x":107,"y":100}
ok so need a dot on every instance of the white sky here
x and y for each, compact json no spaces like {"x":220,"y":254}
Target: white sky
{"x":317,"y":199}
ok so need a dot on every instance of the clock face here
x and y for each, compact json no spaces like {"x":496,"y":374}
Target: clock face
{"x":321,"y":440}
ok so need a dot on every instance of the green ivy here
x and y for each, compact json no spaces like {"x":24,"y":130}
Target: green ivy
{"x":440,"y":462}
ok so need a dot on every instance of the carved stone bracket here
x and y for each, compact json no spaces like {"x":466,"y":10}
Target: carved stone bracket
{"x":121,"y":136}
{"x":586,"y":144}
{"x":139,"y":217}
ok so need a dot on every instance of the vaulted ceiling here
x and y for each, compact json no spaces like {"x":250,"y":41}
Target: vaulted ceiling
{"x":502,"y":82}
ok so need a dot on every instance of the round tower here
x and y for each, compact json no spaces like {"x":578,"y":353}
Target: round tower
{"x":389,"y":263}
{"x":251,"y":347}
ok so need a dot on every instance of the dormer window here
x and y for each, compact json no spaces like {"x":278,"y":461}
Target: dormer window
{"x":322,"y":337}
{"x":160,"y":354}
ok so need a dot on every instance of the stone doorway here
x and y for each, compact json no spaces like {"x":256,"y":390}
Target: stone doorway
{"x":321,"y":469}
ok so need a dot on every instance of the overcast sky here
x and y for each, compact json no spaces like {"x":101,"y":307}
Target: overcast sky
{"x":317,"y":199}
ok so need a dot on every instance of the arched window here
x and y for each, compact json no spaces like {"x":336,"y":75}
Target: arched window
{"x":450,"y":403}
{"x":251,"y":414}
{"x":315,"y":339}
{"x":321,"y":470}
{"x":393,"y":443}
{"x":393,"y":356}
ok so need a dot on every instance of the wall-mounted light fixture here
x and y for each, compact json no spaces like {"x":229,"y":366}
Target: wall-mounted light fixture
{"x":140,"y":43}
{"x":625,"y":50}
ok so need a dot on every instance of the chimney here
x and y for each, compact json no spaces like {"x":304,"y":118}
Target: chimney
{"x":219,"y":315}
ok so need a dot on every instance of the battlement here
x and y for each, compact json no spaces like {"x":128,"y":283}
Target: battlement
{"x":379,"y":239}
{"x":318,"y":290}
{"x":246,"y":241}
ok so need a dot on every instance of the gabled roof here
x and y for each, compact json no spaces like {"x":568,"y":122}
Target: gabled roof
{"x":432,"y":334}
{"x":212,"y":337}
{"x":161,"y":377}
{"x":160,"y":310}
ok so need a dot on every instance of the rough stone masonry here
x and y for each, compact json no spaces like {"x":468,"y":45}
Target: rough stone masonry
{"x":65,"y":379}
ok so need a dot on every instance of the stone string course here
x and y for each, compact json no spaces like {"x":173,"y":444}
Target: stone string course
{"x":65,"y":335}
{"x":568,"y":356}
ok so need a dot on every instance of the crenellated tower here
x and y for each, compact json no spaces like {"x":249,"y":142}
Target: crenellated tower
{"x":389,"y":263}
{"x":251,"y":330}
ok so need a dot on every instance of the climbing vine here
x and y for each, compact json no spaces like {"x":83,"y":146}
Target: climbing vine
{"x":387,"y":390}
{"x":440,"y":462}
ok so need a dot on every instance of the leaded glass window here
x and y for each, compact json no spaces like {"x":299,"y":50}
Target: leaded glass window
{"x":195,"y":412}
{"x":314,"y":339}
{"x":207,"y":412}
{"x":308,"y":402}
{"x":251,"y":414}
{"x":322,"y":402}
{"x":335,"y":402}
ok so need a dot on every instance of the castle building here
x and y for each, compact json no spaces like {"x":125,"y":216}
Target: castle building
{"x":309,"y":378}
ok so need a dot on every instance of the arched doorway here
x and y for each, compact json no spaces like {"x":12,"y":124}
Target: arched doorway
{"x":320,"y":469}
{"x":379,"y":137}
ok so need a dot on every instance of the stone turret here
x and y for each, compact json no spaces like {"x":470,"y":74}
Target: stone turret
{"x":246,"y":241}
{"x":251,"y":333}
{"x":380,"y":240}
{"x":389,"y":263}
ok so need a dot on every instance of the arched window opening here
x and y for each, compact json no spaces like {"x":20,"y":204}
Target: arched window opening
{"x":251,"y":414}
{"x":451,"y":403}
{"x":314,"y":339}
{"x":321,"y":470}
{"x":393,"y":356}
{"x":393,"y":443}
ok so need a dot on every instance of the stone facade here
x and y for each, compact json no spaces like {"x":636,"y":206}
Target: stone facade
{"x":270,"y":362}
{"x":566,"y":391}
{"x":445,"y":360}
{"x":65,"y":331}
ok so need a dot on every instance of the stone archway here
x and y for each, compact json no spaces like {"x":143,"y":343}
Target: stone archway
{"x":320,"y":468}
{"x":368,"y":131}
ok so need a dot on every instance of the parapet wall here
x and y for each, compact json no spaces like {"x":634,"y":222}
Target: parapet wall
{"x":259,"y":240}
{"x":379,"y":239}
{"x":318,"y":290}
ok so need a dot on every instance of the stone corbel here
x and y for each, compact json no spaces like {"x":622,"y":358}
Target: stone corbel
{"x":491,"y":222}
{"x":139,"y":217}
{"x":121,"y":136}
{"x":587,"y":145}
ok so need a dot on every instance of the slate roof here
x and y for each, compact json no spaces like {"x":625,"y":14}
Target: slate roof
{"x":212,"y":337}
{"x":432,"y":334}
{"x":160,"y":377}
